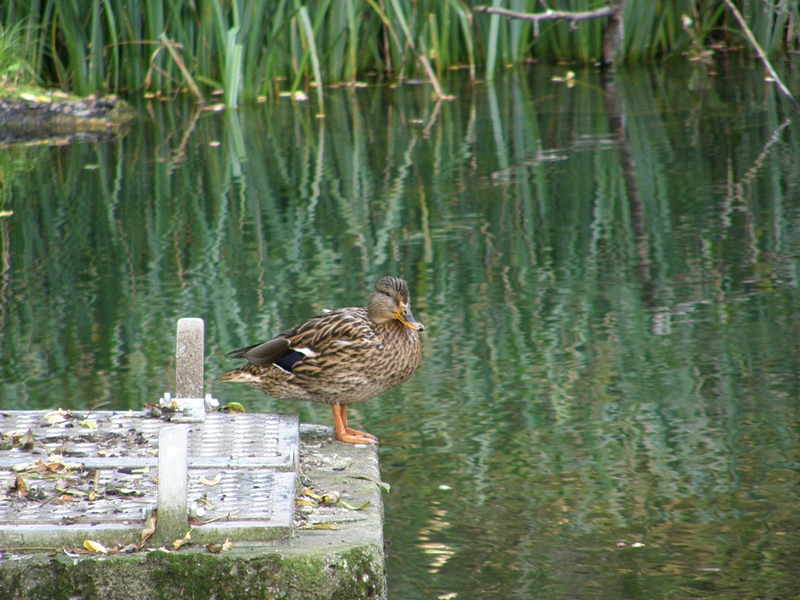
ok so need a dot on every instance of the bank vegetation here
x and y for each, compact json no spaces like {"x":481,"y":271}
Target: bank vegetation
{"x":250,"y":49}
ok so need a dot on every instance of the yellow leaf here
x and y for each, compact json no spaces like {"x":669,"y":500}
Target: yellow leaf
{"x":227,"y":544}
{"x":178,"y":543}
{"x":88,"y":424}
{"x":95,"y":547}
{"x":57,"y":416}
{"x":331,"y":497}
{"x":233,"y":408}
{"x":211,"y":482}
{"x":308,"y":493}
{"x":149,"y":529}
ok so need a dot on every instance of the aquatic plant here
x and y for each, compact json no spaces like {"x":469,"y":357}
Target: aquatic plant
{"x":13,"y":66}
{"x":250,"y":49}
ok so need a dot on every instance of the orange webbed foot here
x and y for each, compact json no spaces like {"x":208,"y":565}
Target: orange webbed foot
{"x":364,"y":434}
{"x":343,"y":433}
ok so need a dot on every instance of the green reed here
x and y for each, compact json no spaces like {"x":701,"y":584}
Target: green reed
{"x":252,"y":48}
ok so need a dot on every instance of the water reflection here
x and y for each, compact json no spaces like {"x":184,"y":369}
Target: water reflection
{"x":607,"y":273}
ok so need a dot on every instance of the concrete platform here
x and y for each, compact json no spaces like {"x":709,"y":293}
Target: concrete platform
{"x":332,"y":551}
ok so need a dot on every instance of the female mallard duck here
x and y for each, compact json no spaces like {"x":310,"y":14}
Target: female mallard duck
{"x":339,"y":357}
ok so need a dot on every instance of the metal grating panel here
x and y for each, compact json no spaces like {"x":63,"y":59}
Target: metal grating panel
{"x":249,"y":440}
{"x":110,"y":478}
{"x":246,"y":494}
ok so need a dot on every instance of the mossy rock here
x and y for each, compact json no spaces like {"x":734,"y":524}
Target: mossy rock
{"x":41,"y":116}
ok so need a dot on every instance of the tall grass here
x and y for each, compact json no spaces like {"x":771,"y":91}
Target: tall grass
{"x":13,"y":66}
{"x":253,"y":48}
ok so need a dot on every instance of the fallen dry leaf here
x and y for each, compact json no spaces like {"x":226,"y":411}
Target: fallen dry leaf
{"x":217,"y":548}
{"x":309,"y":493}
{"x":96,"y":547}
{"x":27,"y":441}
{"x":211,"y":482}
{"x":19,"y":486}
{"x":178,"y":543}
{"x":58,"y":416}
{"x":149,"y":529}
{"x":351,"y":507}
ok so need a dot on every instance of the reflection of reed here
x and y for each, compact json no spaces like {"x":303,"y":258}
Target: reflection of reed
{"x":551,"y":398}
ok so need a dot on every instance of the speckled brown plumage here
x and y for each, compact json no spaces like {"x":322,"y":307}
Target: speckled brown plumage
{"x":339,"y":357}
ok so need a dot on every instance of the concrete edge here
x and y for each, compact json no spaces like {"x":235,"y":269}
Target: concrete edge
{"x":344,"y":560}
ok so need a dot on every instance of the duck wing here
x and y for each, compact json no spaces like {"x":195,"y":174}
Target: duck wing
{"x":324,"y":335}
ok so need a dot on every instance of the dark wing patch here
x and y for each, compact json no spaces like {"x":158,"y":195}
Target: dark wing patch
{"x":264,"y":354}
{"x":287,"y":362}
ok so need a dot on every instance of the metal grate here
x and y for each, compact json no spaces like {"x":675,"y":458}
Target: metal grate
{"x":247,"y":440}
{"x":104,"y":474}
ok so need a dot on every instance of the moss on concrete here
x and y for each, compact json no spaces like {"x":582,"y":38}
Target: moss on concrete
{"x":343,"y":561}
{"x":350,"y":575}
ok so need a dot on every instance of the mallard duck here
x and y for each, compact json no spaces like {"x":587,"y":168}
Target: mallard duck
{"x":339,"y":357}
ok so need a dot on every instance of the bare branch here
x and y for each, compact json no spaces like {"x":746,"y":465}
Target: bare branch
{"x":184,"y":71}
{"x":759,"y":51}
{"x":548,"y":15}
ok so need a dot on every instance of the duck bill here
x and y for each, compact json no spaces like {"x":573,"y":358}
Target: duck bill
{"x":407,"y":319}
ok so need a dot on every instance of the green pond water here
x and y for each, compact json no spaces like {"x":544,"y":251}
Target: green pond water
{"x":608,"y":274}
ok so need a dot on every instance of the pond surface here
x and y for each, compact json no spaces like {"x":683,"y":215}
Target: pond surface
{"x":608,"y":401}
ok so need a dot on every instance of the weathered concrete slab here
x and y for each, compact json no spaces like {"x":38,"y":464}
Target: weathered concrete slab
{"x":343,"y":559}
